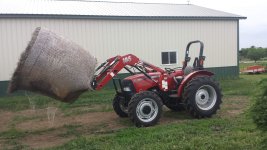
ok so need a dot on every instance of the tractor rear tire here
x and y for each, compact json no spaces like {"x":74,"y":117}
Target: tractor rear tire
{"x":202,"y":97}
{"x":145,"y":109}
{"x":119,"y":106}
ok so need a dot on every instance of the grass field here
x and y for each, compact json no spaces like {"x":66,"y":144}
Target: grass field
{"x":90,"y":123}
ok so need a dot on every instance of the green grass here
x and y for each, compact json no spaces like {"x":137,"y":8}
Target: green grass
{"x":72,"y":130}
{"x":242,"y":86}
{"x":214,"y":133}
{"x":218,"y":132}
{"x":12,"y":134}
{"x":18,"y":103}
{"x":193,"y":134}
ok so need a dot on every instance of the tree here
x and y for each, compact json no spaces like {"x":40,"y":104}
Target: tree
{"x":244,"y":52}
{"x":265,"y":52}
{"x":255,"y":53}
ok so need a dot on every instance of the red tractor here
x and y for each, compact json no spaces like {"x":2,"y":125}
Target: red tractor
{"x":142,"y":95}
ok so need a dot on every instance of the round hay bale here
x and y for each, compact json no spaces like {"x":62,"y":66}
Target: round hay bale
{"x":53,"y":66}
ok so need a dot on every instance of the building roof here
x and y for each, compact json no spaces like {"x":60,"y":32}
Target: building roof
{"x":104,"y":9}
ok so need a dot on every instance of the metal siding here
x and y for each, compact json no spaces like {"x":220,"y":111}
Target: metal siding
{"x":220,"y":73}
{"x":144,"y":38}
{"x":98,"y":9}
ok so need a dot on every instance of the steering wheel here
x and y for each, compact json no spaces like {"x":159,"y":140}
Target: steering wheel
{"x":169,"y":70}
{"x":177,"y":68}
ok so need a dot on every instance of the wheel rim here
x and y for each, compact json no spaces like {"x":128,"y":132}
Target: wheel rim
{"x":206,"y":97}
{"x":147,"y":110}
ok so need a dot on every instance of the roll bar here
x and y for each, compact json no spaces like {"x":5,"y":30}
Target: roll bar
{"x":198,"y":61}
{"x":190,"y":43}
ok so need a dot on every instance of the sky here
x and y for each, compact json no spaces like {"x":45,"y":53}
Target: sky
{"x":253,"y":30}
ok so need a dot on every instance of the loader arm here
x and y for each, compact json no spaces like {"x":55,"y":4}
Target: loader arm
{"x":112,"y":66}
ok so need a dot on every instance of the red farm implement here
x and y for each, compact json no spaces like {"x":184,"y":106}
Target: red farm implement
{"x":254,"y":69}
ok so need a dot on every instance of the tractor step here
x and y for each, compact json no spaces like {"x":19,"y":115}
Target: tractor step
{"x":173,"y":95}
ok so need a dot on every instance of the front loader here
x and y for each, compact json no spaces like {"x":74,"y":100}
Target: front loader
{"x":142,"y":95}
{"x":56,"y":67}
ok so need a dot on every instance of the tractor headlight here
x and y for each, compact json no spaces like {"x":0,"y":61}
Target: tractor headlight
{"x":127,"y":89}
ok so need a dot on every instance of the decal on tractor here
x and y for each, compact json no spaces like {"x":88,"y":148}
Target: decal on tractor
{"x":164,"y":85}
{"x":126,"y":59}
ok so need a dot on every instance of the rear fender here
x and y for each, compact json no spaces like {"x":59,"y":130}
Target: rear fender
{"x":190,"y":77}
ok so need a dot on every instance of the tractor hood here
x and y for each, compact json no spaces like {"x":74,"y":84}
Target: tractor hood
{"x":154,"y":75}
{"x":142,"y":83}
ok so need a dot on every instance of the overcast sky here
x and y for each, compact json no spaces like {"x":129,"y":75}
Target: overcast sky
{"x":253,"y":30}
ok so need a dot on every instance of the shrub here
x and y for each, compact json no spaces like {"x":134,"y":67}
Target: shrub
{"x":259,"y":108}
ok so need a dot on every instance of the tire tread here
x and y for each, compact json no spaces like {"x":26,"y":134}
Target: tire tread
{"x":134,"y":102}
{"x":189,"y":94}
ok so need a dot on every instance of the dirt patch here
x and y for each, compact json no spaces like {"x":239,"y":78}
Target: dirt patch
{"x":87,"y":109}
{"x":240,"y":101}
{"x":60,"y":136}
{"x":60,"y":120}
{"x":170,"y":116}
{"x":42,"y":135}
{"x":109,"y":120}
{"x":90,"y":123}
{"x":6,"y":117}
{"x":1,"y":143}
{"x":45,"y":140}
{"x":233,"y":106}
{"x":234,"y":112}
{"x":32,"y":112}
{"x":166,"y":120}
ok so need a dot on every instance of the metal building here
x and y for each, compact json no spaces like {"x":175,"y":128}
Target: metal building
{"x":157,"y":33}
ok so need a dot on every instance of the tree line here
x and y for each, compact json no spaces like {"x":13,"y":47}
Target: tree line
{"x":253,"y":53}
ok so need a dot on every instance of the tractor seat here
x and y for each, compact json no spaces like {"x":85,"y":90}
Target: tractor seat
{"x":188,"y":70}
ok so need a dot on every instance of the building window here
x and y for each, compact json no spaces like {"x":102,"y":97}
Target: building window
{"x":168,"y":58}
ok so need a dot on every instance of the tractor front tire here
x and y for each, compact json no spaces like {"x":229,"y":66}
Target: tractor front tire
{"x":145,"y":109}
{"x":202,"y":97}
{"x":119,"y":107}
